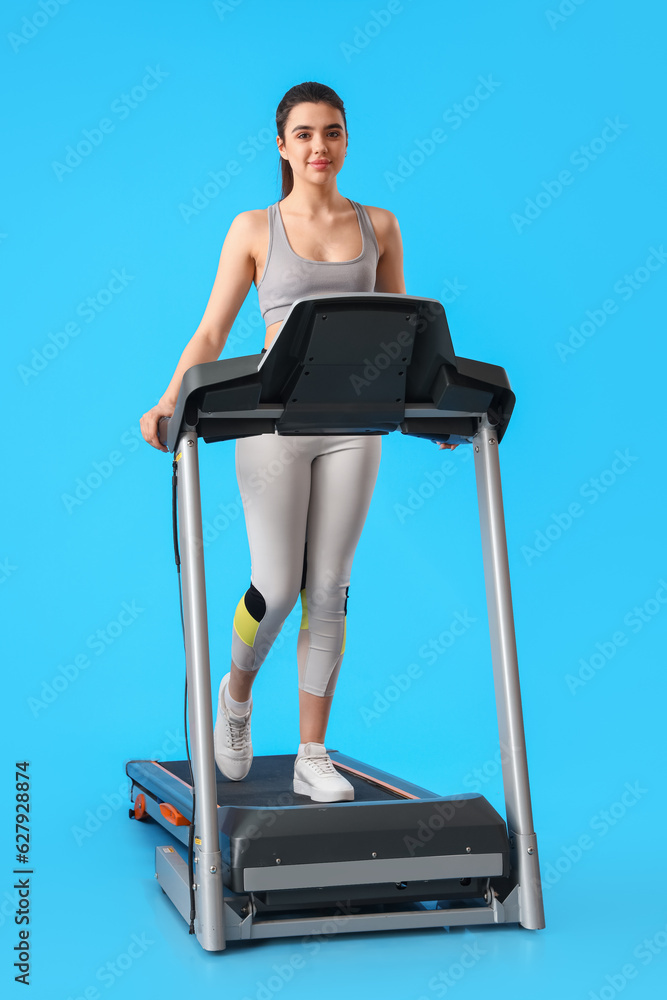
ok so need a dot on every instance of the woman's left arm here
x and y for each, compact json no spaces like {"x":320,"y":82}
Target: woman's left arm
{"x":389,"y":276}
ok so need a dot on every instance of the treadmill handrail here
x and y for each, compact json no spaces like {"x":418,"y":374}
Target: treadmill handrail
{"x":461,"y":387}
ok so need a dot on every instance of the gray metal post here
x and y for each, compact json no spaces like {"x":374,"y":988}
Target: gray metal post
{"x":209,"y":924}
{"x":523,"y":840}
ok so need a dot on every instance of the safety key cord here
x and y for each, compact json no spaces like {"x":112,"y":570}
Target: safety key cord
{"x":177,"y":558}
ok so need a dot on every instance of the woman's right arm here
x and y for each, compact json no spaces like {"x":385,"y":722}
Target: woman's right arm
{"x":236,"y":270}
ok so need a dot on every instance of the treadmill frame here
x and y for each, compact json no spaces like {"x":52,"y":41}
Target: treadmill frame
{"x":222,"y":915}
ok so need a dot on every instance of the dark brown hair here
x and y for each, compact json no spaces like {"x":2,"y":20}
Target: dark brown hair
{"x":302,"y":93}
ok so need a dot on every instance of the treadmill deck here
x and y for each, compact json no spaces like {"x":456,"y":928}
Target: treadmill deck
{"x":392,"y":832}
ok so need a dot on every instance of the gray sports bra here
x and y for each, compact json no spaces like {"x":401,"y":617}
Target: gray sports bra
{"x":288,"y":277}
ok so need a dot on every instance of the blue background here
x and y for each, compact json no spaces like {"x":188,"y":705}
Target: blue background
{"x":522,"y":287}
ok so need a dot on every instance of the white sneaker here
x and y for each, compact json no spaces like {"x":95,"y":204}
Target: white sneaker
{"x":231,"y":738}
{"x":315,"y":776}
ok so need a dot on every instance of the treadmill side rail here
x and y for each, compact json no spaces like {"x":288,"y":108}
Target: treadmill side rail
{"x":209,"y":923}
{"x":523,"y":842}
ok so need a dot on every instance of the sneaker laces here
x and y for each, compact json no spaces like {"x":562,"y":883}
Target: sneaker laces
{"x":321,"y":764}
{"x":238,"y":732}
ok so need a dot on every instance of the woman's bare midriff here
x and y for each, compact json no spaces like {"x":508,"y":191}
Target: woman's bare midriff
{"x":271,"y":331}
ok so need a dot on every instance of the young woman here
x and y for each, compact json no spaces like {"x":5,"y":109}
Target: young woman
{"x":304,"y":522}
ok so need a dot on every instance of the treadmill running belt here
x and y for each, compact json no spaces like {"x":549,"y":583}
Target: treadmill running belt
{"x":269,"y":783}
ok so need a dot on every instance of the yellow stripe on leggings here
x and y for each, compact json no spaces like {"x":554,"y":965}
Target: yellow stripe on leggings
{"x":344,"y":635}
{"x":244,"y":623}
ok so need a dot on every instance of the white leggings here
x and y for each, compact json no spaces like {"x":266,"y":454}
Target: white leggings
{"x":314,"y":488}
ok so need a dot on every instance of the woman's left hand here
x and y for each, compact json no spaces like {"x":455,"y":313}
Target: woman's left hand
{"x":443,"y":444}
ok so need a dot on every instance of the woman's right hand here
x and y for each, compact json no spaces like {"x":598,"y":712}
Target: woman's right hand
{"x":149,"y":422}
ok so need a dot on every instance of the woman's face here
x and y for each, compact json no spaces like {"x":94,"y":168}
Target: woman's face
{"x":314,"y":132}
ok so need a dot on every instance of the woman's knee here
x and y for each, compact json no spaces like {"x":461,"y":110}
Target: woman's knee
{"x":328,"y":587}
{"x":258,"y":618}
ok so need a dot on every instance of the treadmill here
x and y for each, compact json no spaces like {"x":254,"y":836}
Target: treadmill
{"x":261,"y":861}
